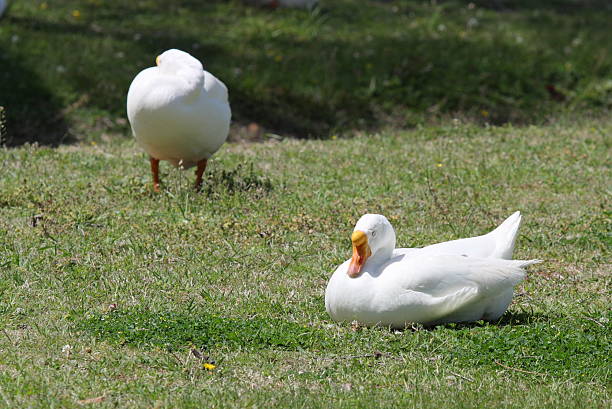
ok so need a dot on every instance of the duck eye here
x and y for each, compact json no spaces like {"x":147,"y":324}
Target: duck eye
{"x":374,"y":233}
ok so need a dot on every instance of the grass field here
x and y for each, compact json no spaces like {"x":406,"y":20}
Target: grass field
{"x":106,"y":287}
{"x":445,"y":116}
{"x":350,"y":65}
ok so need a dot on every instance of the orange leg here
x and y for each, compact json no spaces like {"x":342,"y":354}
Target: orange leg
{"x":155,"y":170}
{"x":199,"y":172}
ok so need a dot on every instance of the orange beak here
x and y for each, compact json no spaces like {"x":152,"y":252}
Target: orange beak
{"x":361,"y":252}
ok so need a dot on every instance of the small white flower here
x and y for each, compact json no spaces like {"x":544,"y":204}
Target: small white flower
{"x":66,"y":350}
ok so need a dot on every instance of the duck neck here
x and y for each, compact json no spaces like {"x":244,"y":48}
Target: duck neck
{"x":381,"y":256}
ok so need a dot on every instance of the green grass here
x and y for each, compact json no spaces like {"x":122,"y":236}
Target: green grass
{"x":113,"y":296}
{"x":238,"y":272}
{"x":540,"y":344}
{"x":198,"y":328}
{"x":347,"y":66}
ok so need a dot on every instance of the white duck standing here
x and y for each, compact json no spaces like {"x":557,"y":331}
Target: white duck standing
{"x":178,"y":112}
{"x":456,"y":281}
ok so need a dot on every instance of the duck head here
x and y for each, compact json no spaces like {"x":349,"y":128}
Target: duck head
{"x":373,"y":239}
{"x":172,"y":61}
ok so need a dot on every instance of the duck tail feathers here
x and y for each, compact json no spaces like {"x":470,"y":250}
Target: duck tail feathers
{"x":526,"y":263}
{"x":505,"y":236}
{"x":515,"y":269}
{"x":500,"y":272}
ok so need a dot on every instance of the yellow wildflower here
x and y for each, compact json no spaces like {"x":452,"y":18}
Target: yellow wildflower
{"x":208,"y":366}
{"x":439,"y":165}
{"x":484,"y":113}
{"x":43,"y":5}
{"x":76,"y":13}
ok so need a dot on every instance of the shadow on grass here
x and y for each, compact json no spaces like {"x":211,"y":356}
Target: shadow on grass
{"x":521,"y":318}
{"x":31,"y":110}
{"x":96,"y":78}
{"x":508,"y":319}
{"x":296,"y":83}
{"x":241,"y":178}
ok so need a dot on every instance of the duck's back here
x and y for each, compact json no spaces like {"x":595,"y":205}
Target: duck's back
{"x":498,"y":243}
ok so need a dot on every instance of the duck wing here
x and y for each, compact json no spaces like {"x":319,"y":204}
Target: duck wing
{"x":435,"y":287}
{"x":215,"y":88}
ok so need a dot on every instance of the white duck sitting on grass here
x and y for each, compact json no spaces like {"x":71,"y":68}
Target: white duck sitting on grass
{"x":456,"y":281}
{"x":178,"y":112}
